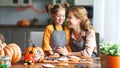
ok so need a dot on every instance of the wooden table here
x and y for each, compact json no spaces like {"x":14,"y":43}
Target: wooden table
{"x":94,"y":64}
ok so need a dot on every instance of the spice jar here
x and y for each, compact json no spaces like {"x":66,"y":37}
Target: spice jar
{"x":5,"y":62}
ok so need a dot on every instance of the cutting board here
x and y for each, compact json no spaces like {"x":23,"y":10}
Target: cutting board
{"x":79,"y":61}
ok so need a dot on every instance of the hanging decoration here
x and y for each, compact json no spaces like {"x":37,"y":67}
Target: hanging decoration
{"x":30,"y":6}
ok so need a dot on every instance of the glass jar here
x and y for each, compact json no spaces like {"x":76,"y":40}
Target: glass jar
{"x":2,"y":62}
{"x":5,"y":62}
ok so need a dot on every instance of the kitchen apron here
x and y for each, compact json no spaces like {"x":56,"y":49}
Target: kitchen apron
{"x":58,"y":38}
{"x":79,"y":46}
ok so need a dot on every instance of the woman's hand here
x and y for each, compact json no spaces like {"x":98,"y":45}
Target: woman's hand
{"x":59,"y":49}
{"x":62,"y":50}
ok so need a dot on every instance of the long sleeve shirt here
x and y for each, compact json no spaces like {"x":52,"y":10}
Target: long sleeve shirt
{"x":90,"y":43}
{"x":47,"y":37}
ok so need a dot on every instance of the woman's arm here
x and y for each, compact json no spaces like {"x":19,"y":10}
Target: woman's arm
{"x":90,"y":44}
{"x":64,"y":51}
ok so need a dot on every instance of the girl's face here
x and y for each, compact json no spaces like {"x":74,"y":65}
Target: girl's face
{"x":72,"y":21}
{"x":59,"y":17}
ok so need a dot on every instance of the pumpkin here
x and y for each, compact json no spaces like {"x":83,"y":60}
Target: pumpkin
{"x":24,"y":23}
{"x":36,"y":51}
{"x":12,"y":50}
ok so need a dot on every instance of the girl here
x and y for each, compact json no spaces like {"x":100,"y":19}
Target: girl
{"x":56,"y":35}
{"x":82,"y":40}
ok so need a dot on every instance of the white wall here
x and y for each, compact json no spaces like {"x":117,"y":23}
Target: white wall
{"x":118,"y":20}
{"x":106,"y":19}
{"x":98,"y":18}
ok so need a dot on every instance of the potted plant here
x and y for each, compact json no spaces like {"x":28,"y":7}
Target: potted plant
{"x":35,"y":22}
{"x":110,"y":55}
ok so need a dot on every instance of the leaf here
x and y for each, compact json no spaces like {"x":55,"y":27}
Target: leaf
{"x":110,"y":48}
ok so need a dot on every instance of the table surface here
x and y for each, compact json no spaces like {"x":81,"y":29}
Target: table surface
{"x":95,"y":64}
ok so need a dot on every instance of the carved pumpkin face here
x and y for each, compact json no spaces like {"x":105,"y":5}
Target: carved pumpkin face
{"x":36,"y":51}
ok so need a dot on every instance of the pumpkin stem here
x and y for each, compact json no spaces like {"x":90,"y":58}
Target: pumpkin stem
{"x":32,"y":43}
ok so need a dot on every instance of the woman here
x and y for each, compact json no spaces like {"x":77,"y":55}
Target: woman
{"x":56,"y":35}
{"x":82,"y":40}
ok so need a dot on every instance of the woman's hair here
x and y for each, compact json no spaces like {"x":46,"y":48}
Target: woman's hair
{"x":53,"y":9}
{"x":81,"y":13}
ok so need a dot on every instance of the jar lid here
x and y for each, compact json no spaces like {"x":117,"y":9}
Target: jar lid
{"x":7,"y":57}
{"x":4,"y":58}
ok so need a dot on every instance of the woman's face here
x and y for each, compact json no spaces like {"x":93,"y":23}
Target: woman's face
{"x":72,"y":21}
{"x":59,"y":17}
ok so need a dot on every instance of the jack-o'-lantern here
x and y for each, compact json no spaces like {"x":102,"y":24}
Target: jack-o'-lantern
{"x":36,"y":52}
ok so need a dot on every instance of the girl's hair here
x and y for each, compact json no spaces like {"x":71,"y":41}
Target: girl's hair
{"x":81,"y":13}
{"x":53,"y":9}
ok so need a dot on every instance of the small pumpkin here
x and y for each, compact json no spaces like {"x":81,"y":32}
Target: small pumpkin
{"x":12,"y":50}
{"x":24,"y":23}
{"x":36,"y":51}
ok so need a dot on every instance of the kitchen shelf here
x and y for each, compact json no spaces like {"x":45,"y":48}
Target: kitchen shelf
{"x":83,"y":2}
{"x":15,"y":2}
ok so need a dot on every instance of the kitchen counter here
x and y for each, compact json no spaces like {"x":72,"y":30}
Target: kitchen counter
{"x":94,"y":64}
{"x":15,"y":26}
{"x":21,"y":35}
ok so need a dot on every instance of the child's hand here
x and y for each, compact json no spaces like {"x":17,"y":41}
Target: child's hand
{"x":54,"y":55}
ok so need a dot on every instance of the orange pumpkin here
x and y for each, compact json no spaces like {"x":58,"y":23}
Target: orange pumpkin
{"x":12,"y":50}
{"x":36,"y":51}
{"x":24,"y":23}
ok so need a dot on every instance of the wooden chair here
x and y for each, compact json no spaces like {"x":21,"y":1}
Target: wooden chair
{"x":97,"y":42}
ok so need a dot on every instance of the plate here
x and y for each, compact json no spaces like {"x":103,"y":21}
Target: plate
{"x":48,"y":65}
